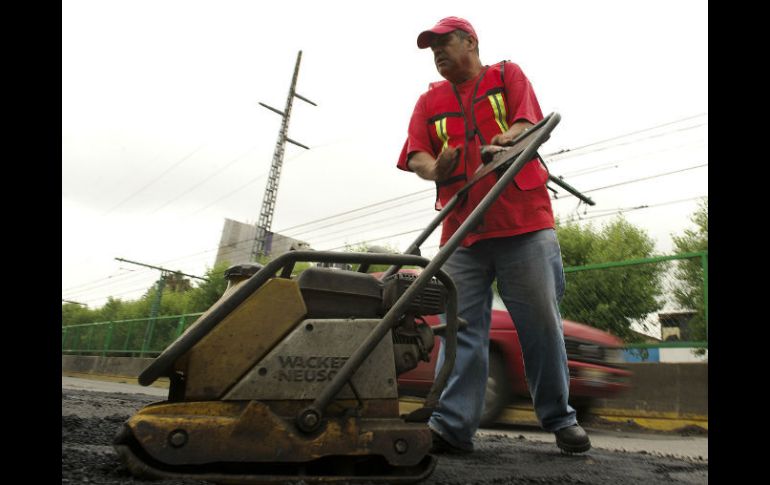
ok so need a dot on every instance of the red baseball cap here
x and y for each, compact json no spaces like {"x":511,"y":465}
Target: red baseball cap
{"x":444,"y":26}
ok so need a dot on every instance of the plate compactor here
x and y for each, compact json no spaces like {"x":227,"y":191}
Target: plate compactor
{"x":295,"y":378}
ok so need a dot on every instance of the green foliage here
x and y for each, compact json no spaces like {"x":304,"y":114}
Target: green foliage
{"x":689,"y":272}
{"x":178,"y":297}
{"x":609,"y":299}
{"x":74,"y":314}
{"x":176,"y":282}
{"x":365,"y":248}
{"x":300,"y":267}
{"x":206,"y":293}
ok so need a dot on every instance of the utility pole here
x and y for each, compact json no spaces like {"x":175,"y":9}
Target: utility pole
{"x":73,"y":302}
{"x":155,"y":308}
{"x":265,"y":221}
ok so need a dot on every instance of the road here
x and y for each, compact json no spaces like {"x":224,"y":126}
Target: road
{"x":92,"y":411}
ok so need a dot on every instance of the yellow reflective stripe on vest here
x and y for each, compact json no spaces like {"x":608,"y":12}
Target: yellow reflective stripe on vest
{"x":498,"y":106}
{"x":441,"y":132}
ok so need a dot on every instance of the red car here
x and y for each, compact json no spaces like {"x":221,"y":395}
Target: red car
{"x":595,"y":361}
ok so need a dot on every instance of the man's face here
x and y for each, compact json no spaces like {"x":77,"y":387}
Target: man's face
{"x":451,"y":55}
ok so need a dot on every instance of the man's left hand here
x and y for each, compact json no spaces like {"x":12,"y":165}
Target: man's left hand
{"x":488,"y":152}
{"x":506,"y":139}
{"x":503,"y":139}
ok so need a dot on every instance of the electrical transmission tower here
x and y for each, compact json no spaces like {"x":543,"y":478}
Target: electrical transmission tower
{"x":271,"y":190}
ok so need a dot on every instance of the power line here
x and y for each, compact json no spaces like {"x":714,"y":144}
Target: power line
{"x":104,"y":281}
{"x":349,"y":231}
{"x":646,"y":178}
{"x":627,"y":182}
{"x":284,"y":231}
{"x":596,"y":216}
{"x":73,"y":302}
{"x":630,"y":209}
{"x":408,"y":202}
{"x":110,"y":288}
{"x":134,"y":194}
{"x":142,"y":289}
{"x":377,"y":239}
{"x":355,"y":211}
{"x":403,"y":217}
{"x":568,"y":150}
{"x":358,"y":217}
{"x":217,"y":171}
{"x":616,"y":163}
{"x":231,"y":193}
{"x":420,"y":215}
{"x":659,"y":135}
{"x":103,"y":284}
{"x":400,"y":197}
{"x":163,"y":270}
{"x":86,"y":294}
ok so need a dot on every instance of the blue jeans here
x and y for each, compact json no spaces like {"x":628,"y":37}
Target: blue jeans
{"x":531,"y":282}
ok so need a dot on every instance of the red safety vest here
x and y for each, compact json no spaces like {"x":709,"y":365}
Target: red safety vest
{"x":489,"y":116}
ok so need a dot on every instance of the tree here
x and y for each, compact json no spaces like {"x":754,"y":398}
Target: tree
{"x":689,"y":272}
{"x":176,"y":282}
{"x":609,"y":299}
{"x":206,"y":293}
{"x":366,"y":248}
{"x":72,"y":314}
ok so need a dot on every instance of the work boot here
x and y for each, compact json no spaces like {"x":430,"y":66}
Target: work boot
{"x":441,"y":446}
{"x":572,"y":439}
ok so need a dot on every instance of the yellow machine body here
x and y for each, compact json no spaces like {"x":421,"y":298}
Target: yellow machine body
{"x":235,"y":395}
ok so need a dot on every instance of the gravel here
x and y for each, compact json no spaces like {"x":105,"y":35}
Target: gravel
{"x":90,"y":420}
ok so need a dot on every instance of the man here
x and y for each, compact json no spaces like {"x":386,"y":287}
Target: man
{"x":516,"y":243}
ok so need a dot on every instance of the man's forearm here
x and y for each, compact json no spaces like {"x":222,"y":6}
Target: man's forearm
{"x":423,"y":164}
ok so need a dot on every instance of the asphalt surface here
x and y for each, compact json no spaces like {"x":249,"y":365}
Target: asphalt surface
{"x":90,"y":419}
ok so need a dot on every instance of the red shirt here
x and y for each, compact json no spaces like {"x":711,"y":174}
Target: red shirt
{"x":515,"y":211}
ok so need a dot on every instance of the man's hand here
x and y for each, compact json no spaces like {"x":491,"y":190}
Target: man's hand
{"x":437,"y":169}
{"x":503,"y":139}
{"x":506,"y":139}
{"x":446,"y":162}
{"x":488,"y":152}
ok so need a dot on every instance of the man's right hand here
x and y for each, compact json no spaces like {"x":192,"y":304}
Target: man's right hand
{"x":446,"y":162}
{"x":436,"y":169}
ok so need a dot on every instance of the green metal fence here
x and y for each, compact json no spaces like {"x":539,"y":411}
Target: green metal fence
{"x":667,"y":292}
{"x":140,"y":337}
{"x":602,"y":295}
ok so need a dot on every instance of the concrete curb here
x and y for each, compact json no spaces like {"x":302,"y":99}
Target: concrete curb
{"x":663,"y":397}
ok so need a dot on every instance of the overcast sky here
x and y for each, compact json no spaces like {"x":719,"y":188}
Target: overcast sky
{"x":163,"y":137}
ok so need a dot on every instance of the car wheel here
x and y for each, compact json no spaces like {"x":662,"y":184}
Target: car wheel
{"x":498,"y":390}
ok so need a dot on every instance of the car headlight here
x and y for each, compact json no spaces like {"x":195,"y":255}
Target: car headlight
{"x":590,"y":351}
{"x":614,"y":355}
{"x":593,"y":376}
